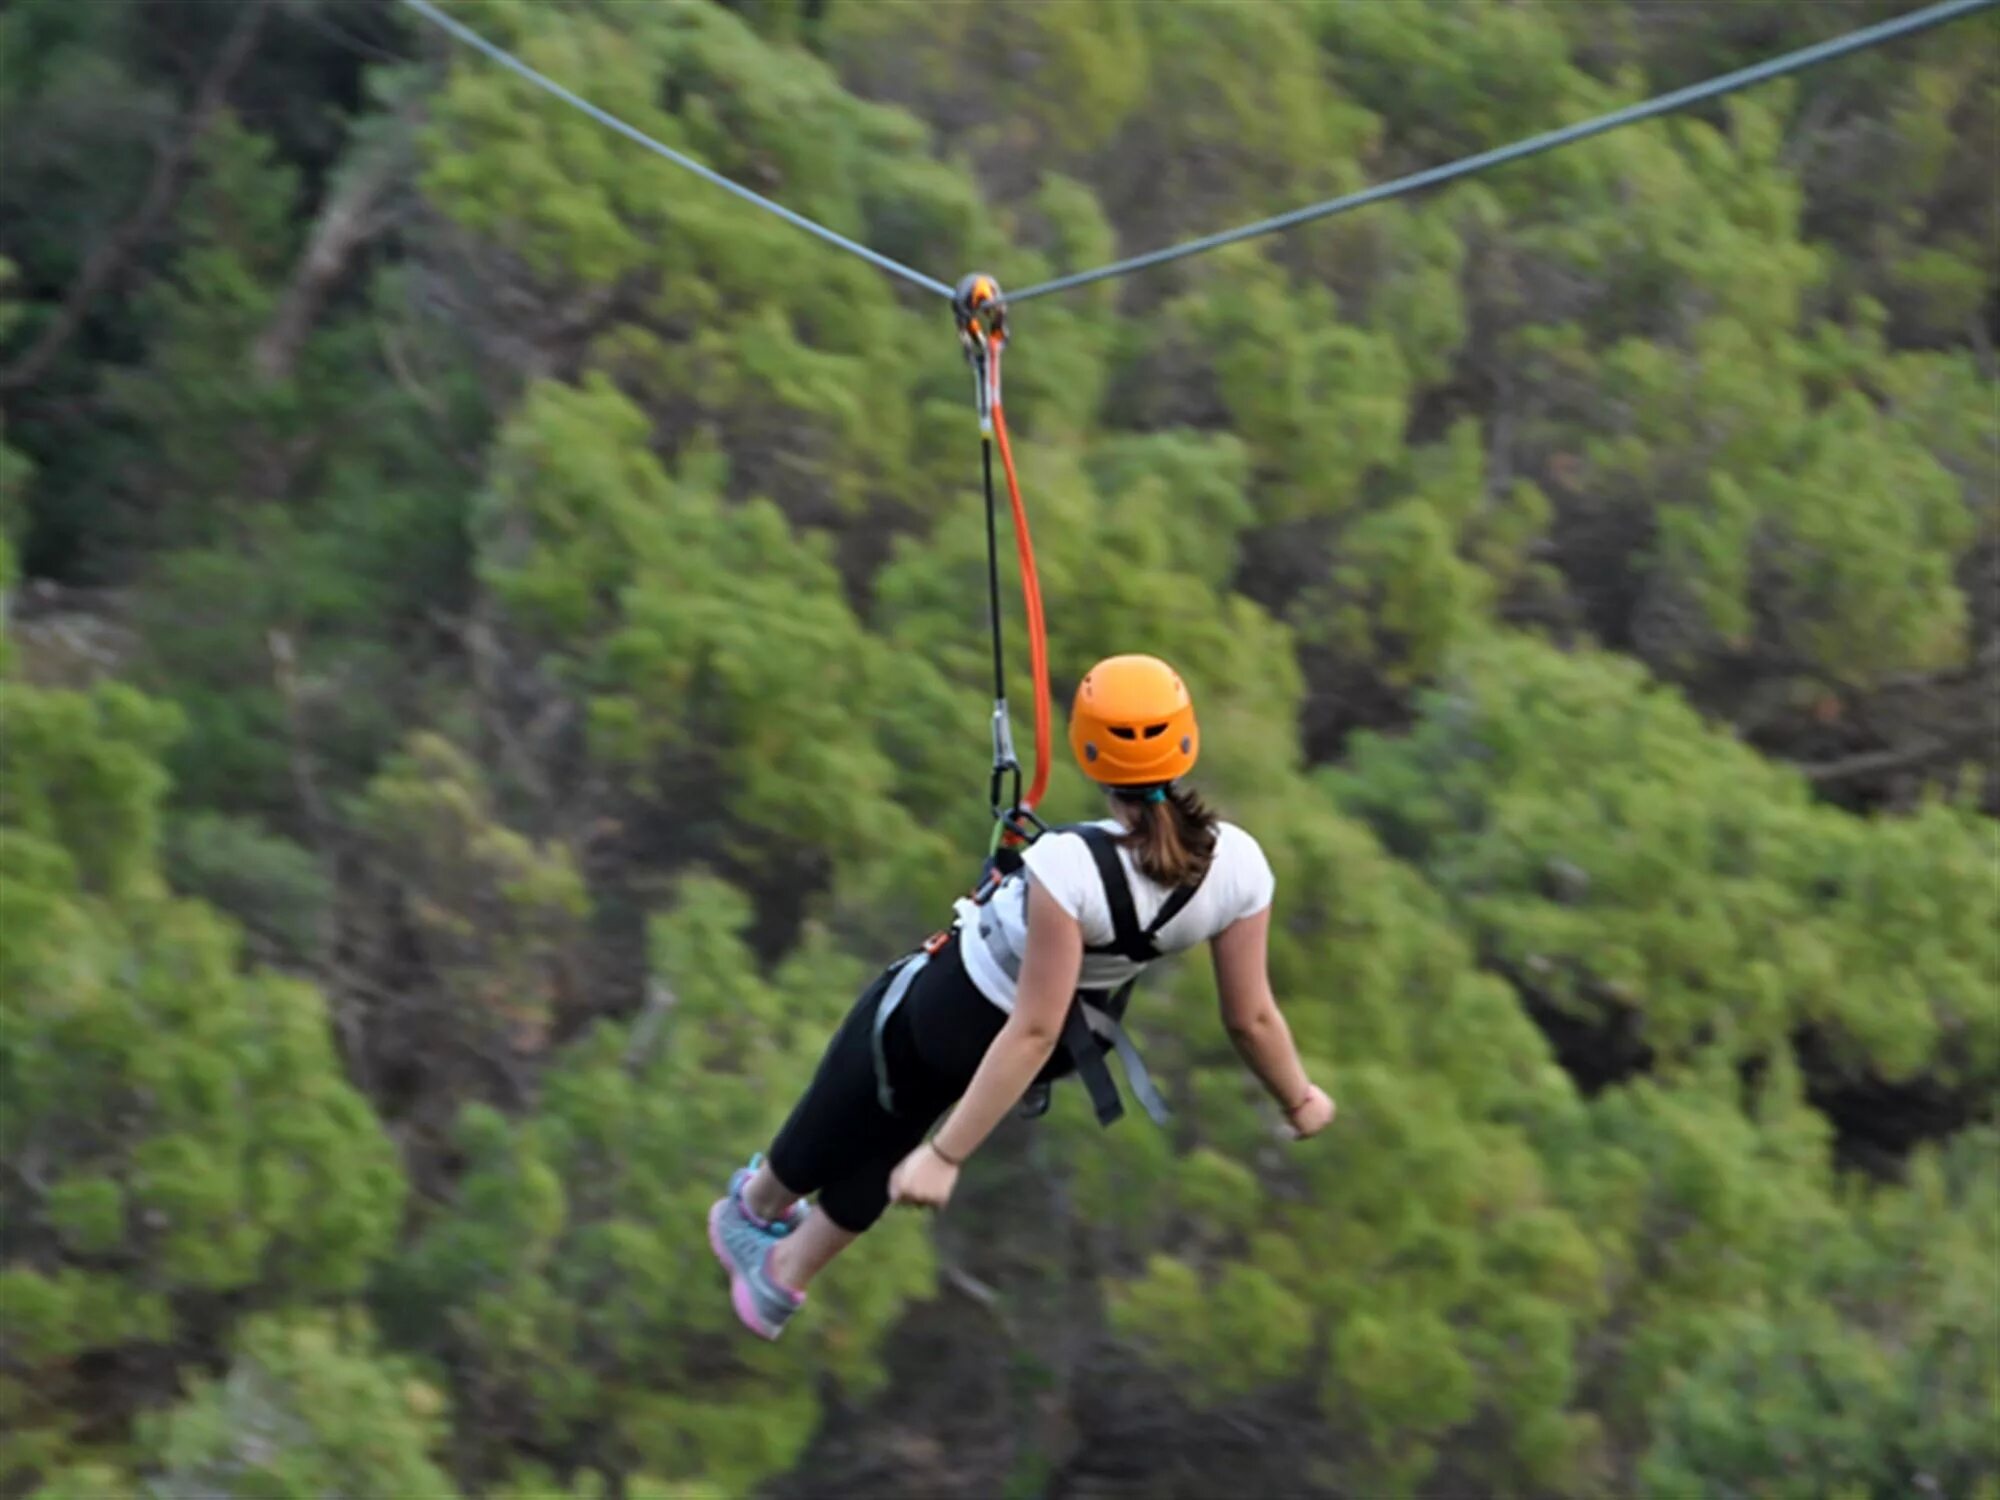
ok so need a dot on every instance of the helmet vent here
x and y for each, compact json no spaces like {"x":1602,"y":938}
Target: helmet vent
{"x":1124,"y":732}
{"x":1154,"y":731}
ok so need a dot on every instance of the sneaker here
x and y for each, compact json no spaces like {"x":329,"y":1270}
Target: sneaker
{"x":743,"y":1243}
{"x":740,"y":1179}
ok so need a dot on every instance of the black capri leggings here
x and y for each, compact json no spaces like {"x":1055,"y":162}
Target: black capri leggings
{"x":839,"y":1141}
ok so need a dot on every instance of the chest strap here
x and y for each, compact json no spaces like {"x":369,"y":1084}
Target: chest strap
{"x":1095,"y":1023}
{"x":1128,"y":939}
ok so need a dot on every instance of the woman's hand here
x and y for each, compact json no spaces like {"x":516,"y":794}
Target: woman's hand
{"x":1311,"y":1114}
{"x":924,"y":1179}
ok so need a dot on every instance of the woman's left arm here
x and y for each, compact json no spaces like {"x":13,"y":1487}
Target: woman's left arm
{"x":1049,"y":971}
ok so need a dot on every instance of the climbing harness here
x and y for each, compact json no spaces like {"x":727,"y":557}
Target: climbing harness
{"x":1095,"y":1022}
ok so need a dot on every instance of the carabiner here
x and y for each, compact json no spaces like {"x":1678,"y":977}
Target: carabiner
{"x":1006,"y":779}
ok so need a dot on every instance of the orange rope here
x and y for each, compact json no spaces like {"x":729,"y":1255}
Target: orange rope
{"x":1031,"y":596}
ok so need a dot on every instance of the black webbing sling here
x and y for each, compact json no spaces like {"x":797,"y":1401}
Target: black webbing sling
{"x":1095,"y":1020}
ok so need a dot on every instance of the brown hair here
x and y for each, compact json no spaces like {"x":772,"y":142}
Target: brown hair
{"x":1172,"y":839}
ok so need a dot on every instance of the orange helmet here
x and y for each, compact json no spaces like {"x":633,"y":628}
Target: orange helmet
{"x":1133,"y":723}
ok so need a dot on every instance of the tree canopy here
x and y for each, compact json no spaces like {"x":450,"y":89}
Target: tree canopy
{"x":495,"y":659}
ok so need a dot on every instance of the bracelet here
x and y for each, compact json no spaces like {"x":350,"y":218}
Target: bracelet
{"x":1292,"y":1109}
{"x":953,"y":1162}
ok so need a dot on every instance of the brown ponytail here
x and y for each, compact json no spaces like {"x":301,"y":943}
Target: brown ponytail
{"x":1172,"y":840}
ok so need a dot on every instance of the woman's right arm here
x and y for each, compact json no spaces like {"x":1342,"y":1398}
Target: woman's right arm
{"x":1258,"y":1029}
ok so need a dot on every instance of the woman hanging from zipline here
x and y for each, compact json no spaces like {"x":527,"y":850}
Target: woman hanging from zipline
{"x":1026,"y":986}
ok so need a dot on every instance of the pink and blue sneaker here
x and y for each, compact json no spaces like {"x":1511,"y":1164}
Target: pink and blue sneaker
{"x":743,"y":1242}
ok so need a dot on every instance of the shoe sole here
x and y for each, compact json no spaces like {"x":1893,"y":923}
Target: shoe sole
{"x":739,"y":1287}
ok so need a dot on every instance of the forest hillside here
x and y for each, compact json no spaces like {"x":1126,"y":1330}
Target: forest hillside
{"x":496,"y":658}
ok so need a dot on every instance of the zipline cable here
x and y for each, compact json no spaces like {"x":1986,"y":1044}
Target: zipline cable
{"x":1777,"y":67}
{"x":603,"y":117}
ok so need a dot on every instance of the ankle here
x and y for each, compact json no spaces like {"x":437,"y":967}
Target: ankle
{"x":766,"y":1197}
{"x":779,"y":1269}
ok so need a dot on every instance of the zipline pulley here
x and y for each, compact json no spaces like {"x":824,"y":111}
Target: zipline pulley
{"x":981,"y":312}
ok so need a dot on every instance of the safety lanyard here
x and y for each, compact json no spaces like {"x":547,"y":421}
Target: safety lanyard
{"x":981,"y":313}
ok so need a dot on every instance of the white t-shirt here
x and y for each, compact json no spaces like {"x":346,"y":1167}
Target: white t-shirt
{"x":1239,"y":884}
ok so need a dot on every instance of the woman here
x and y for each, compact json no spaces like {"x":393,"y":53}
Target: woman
{"x":973,"y":1021}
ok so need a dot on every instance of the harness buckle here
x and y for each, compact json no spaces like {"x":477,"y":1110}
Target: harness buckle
{"x":1019,"y":825}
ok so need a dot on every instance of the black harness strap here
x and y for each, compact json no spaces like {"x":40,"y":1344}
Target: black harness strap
{"x":1084,"y":1048}
{"x":1128,"y":938}
{"x":1080,"y":1042}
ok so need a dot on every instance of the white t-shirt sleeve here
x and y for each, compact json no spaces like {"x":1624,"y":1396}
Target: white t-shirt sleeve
{"x":1252,"y":886}
{"x":1061,"y":864}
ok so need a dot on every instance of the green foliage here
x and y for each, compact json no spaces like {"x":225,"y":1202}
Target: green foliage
{"x":307,"y":1408}
{"x":1873,"y":1373}
{"x":568,"y":1283}
{"x":87,"y":1482}
{"x":1224,"y":1339}
{"x":1415,"y":578}
{"x":1323,"y":401}
{"x":1088,"y":81}
{"x":1245,"y":81}
{"x":497,"y":917}
{"x":1426,"y":72}
{"x":237,"y":232}
{"x":1835,"y":519}
{"x":76,"y":161}
{"x":1613,"y":853}
{"x":17,"y":471}
{"x":713,"y":644}
{"x":532,"y":1483}
{"x":562,"y":592}
{"x":179,"y":1128}
{"x":315,"y":513}
{"x":798,"y":362}
{"x":1472,"y":1220}
{"x":277,"y":890}
{"x":82,"y":776}
{"x":1414,"y":1382}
